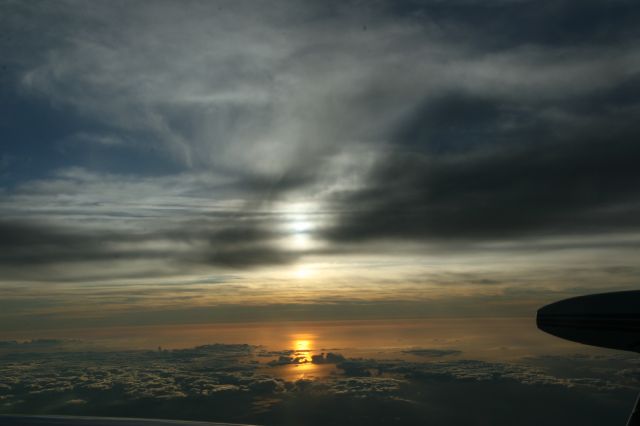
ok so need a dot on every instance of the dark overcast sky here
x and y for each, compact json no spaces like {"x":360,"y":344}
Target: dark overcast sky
{"x":180,"y":155}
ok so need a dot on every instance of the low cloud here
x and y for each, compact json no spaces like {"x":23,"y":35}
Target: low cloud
{"x":432,"y":353}
{"x":224,"y":383}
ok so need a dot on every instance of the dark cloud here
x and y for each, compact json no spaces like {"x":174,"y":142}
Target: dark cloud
{"x":455,"y":122}
{"x":35,"y":343}
{"x":233,"y":244}
{"x":480,"y":163}
{"x":500,"y":24}
{"x":432,"y":353}
{"x":476,"y":168}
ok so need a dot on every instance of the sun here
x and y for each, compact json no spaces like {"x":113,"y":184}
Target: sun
{"x":300,"y":225}
{"x":302,"y":345}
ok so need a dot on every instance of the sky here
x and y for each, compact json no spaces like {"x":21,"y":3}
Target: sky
{"x":167,"y":162}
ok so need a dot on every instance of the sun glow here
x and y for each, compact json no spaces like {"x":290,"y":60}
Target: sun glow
{"x":300,"y":225}
{"x":301,"y":241}
{"x":302,"y":345}
{"x":302,"y":272}
{"x":299,"y":228}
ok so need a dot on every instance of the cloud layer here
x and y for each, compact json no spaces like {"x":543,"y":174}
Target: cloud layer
{"x":225,"y":383}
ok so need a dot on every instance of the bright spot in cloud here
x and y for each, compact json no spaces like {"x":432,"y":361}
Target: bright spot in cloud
{"x":298,"y":229}
{"x":301,"y":226}
{"x":301,"y":241}
{"x":302,"y":272}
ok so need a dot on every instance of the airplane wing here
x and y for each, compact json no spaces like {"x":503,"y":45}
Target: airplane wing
{"x":608,"y":320}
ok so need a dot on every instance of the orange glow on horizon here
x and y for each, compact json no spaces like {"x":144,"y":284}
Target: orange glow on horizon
{"x":302,"y":344}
